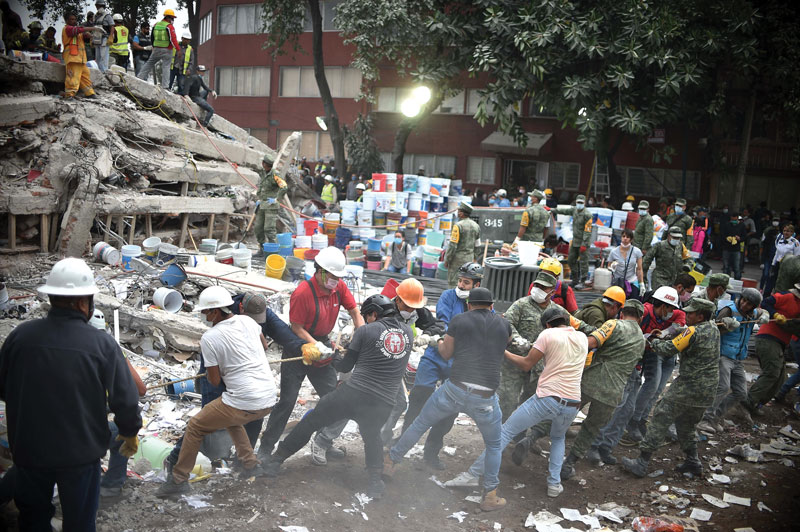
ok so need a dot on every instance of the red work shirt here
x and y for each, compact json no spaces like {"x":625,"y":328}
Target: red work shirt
{"x":303,"y":308}
{"x":563,"y":296}
{"x":789,"y":306}
{"x":651,"y":323}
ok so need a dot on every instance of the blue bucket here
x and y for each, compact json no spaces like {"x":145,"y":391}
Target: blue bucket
{"x":270,"y":248}
{"x":285,"y":239}
{"x":180,"y":387}
{"x":286,"y":251}
{"x":343,"y":237}
{"x":374,"y":244}
{"x":173,"y":275}
{"x":429,"y":272}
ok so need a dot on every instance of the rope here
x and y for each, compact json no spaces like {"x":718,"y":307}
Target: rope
{"x":384,"y":226}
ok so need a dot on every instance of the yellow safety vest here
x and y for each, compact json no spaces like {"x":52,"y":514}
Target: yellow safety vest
{"x":121,"y":46}
{"x":187,"y":56}
{"x":327,"y":193}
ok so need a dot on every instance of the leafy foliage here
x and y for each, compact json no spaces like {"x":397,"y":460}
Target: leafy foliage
{"x":362,"y":151}
{"x":133,"y":11}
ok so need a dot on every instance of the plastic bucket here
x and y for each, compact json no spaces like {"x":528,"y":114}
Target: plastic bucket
{"x":311,"y":254}
{"x":284,"y":239}
{"x":224,"y":256}
{"x":343,"y":236}
{"x":441,"y":271}
{"x":379,"y":182}
{"x":173,"y":275}
{"x":319,"y":241}
{"x":374,"y":244}
{"x":285,"y":251}
{"x":300,"y":253}
{"x":391,"y":182}
{"x":153,"y":448}
{"x":422,"y":239}
{"x":129,"y":252}
{"x":166,"y":254}
{"x":302,"y":241}
{"x":373,"y":265}
{"x":294,"y":269}
{"x":168,"y":299}
{"x":110,"y":255}
{"x":383,"y":202}
{"x":423,"y":185}
{"x":428,"y":272}
{"x":270,"y":247}
{"x":311,"y":227}
{"x":242,"y":258}
{"x":414,"y":202}
{"x":445,"y":222}
{"x":209,"y":242}
{"x":275,"y":266}
{"x":410,"y":183}
{"x":368,"y":200}
{"x":150,"y":247}
{"x":390,"y":288}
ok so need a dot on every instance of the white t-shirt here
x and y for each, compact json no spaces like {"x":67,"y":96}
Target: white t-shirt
{"x":565,"y":352}
{"x":234,"y":345}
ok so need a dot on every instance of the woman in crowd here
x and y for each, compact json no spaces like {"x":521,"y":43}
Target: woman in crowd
{"x":627,"y":273}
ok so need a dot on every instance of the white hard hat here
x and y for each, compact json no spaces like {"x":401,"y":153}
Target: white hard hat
{"x":502,"y":192}
{"x":331,"y":259}
{"x":329,"y":177}
{"x":186,"y":35}
{"x":98,"y":320}
{"x":668,"y":295}
{"x":117,"y":17}
{"x":361,"y":186}
{"x":627,"y":206}
{"x":214,"y":297}
{"x":70,"y":277}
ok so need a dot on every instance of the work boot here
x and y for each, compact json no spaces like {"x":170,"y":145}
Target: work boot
{"x":171,"y":489}
{"x":167,"y":465}
{"x":606,"y":456}
{"x":432,"y":460}
{"x":257,"y":471}
{"x":261,"y":254}
{"x":633,"y":434}
{"x":273,"y":466}
{"x":593,"y":456}
{"x":691,"y":465}
{"x":264,"y":454}
{"x":637,"y":467}
{"x":463,"y":480}
{"x":376,"y":486}
{"x":568,"y":467}
{"x":389,"y":467}
{"x":492,"y":502}
{"x":318,"y":453}
{"x":522,"y":449}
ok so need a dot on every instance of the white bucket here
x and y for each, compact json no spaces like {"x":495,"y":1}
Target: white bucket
{"x":150,"y":247}
{"x":401,"y":204}
{"x":195,"y":260}
{"x":364,"y":217}
{"x":129,"y":252}
{"x":168,"y":299}
{"x":319,"y":241}
{"x":368,"y":203}
{"x":331,"y":217}
{"x":414,"y":201}
{"x":167,"y":253}
{"x":383,"y":201}
{"x":391,"y":182}
{"x":423,"y":185}
{"x":242,"y":258}
{"x":302,"y":241}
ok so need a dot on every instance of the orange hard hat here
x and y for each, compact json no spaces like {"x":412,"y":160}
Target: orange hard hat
{"x":615,"y":293}
{"x":411,"y":292}
{"x":169,"y":13}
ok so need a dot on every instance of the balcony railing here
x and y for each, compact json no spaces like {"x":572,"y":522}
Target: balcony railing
{"x":764,"y":155}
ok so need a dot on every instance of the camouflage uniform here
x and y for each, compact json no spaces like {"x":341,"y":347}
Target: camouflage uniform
{"x":535,"y":218}
{"x":593,"y":313}
{"x":692,"y":392}
{"x":669,"y":260}
{"x":643,"y":234}
{"x":461,"y":248}
{"x":684,"y":221}
{"x":271,"y":189}
{"x":789,"y":273}
{"x":581,"y":235}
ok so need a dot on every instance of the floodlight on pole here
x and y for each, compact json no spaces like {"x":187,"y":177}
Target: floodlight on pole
{"x":321,"y":123}
{"x":410,"y":107}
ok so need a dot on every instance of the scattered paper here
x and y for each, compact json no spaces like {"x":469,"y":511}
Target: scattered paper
{"x":255,"y":516}
{"x":338,"y":504}
{"x":223,"y":471}
{"x":282,"y":514}
{"x":473,"y":498}
{"x":731,"y":460}
{"x":710,"y":499}
{"x":518,"y":486}
{"x":401,"y":516}
{"x":700,"y":515}
{"x":787,"y":462}
{"x":497,"y":526}
{"x":733,"y":499}
{"x":746,"y":452}
{"x":197,"y":501}
{"x":575,"y":515}
{"x":656,"y":473}
{"x":363,"y":499}
{"x":542,"y":518}
{"x":607,"y":515}
{"x":292,"y":528}
{"x":437,"y":482}
{"x":364,"y":516}
{"x":449,"y":451}
{"x":721,"y":479}
{"x":763,"y":507}
{"x":458,"y":515}
{"x":663,"y":489}
{"x":789,"y":431}
{"x":745,"y":529}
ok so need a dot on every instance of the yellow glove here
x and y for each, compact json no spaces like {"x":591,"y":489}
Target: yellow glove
{"x":589,"y":357}
{"x":780,"y":319}
{"x":311,"y":353}
{"x":130,"y":444}
{"x":281,"y":182}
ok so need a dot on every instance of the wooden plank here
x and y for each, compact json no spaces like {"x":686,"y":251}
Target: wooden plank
{"x":19,"y":249}
{"x":121,"y":229}
{"x":12,"y":231}
{"x":211,"y":220}
{"x":226,"y":227}
{"x":132,"y":237}
{"x":148,"y":225}
{"x":106,"y":233}
{"x":184,"y":230}
{"x":44,"y":232}
{"x":53,"y":231}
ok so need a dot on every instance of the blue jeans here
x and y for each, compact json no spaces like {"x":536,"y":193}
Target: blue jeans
{"x":611,"y":434}
{"x":656,"y":371}
{"x":117,"y":464}
{"x":395,"y":269}
{"x":732,"y":263}
{"x":794,"y":379}
{"x":447,"y":400}
{"x":531,"y":412}
{"x":78,"y":490}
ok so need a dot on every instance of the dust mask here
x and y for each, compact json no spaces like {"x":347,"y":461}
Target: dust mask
{"x":579,"y":206}
{"x":775,"y":223}
{"x":678,"y":209}
{"x":407,"y":314}
{"x":669,"y":314}
{"x":330,"y":282}
{"x":205,"y":320}
{"x":538,"y":295}
{"x":674,"y":241}
{"x":642,"y":212}
{"x":626,"y":246}
{"x":462,"y":294}
{"x":686,"y":296}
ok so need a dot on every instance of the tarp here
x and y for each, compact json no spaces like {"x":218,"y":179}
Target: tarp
{"x":500,"y":142}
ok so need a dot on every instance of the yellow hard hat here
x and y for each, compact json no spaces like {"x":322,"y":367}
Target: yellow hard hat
{"x":551,"y":265}
{"x":630,"y":198}
{"x":169,"y":13}
{"x":615,"y":293}
{"x":548,"y":191}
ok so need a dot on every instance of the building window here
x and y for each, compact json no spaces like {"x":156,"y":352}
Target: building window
{"x":314,"y":146}
{"x":657,"y":182}
{"x":327,"y":9}
{"x":434,"y":164}
{"x":564,"y":176}
{"x":390,"y":98}
{"x":480,"y":170}
{"x":453,"y":105}
{"x":241,"y":19}
{"x":299,"y":82}
{"x":205,"y":28}
{"x":243,"y":81}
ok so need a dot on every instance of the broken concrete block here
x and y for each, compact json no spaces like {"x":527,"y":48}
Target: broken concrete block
{"x":126,"y":203}
{"x":42,"y":71}
{"x":16,"y":110}
{"x":207,"y":173}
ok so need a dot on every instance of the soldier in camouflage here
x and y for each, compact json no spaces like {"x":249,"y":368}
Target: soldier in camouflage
{"x":534,"y":219}
{"x":679,"y":218}
{"x":670,"y":256}
{"x":690,"y":394}
{"x":717,"y":286}
{"x":578,"y":258}
{"x":643,"y":234}
{"x":789,"y":274}
{"x":271,"y":190}
{"x":464,"y":237}
{"x":618,"y":344}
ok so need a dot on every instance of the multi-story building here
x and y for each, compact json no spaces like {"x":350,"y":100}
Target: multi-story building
{"x":273,"y":97}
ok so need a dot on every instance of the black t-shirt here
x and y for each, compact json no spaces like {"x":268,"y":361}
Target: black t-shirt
{"x":732,"y":230}
{"x":481,"y":337}
{"x":379,"y":351}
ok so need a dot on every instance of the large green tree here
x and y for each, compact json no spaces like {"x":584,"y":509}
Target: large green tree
{"x":361,"y":148}
{"x":133,"y":11}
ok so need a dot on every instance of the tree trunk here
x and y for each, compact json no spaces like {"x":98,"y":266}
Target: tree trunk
{"x":744,"y":149}
{"x":615,"y":187}
{"x":194,"y":25}
{"x":331,"y":116}
{"x":407,"y":125}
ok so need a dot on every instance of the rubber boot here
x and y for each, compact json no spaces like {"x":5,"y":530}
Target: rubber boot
{"x":606,"y":456}
{"x":522,"y":449}
{"x":376,"y":486}
{"x":593,"y":456}
{"x":568,"y":467}
{"x":492,"y":502}
{"x":273,"y":466}
{"x":639,"y":466}
{"x":691,"y":465}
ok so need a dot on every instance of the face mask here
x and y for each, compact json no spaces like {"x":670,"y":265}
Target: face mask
{"x":625,"y":245}
{"x":330,"y":283}
{"x":669,"y":314}
{"x":205,"y":320}
{"x":674,"y":241}
{"x":725,"y":211}
{"x":686,"y":296}
{"x":579,"y":206}
{"x":678,"y":209}
{"x":775,"y":223}
{"x":642,"y":212}
{"x":462,"y":294}
{"x":538,"y":295}
{"x":398,"y":241}
{"x":734,"y":222}
{"x":407,"y":314}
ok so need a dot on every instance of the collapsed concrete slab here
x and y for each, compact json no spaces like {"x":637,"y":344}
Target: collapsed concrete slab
{"x":126,"y":204}
{"x":16,"y":69}
{"x":20,"y":109}
{"x":205,"y":172}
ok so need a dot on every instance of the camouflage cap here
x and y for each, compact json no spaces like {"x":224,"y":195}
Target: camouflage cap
{"x":536,"y":193}
{"x":675,"y":231}
{"x":466,"y":207}
{"x":268,"y":159}
{"x":697,"y":304}
{"x":681,"y":202}
{"x":719,"y":279}
{"x":545,"y":278}
{"x":644,"y":204}
{"x":581,"y":198}
{"x":634,"y":304}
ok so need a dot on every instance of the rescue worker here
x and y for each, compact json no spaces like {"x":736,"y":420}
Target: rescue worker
{"x":679,"y":218}
{"x":578,"y":258}
{"x":670,"y":256}
{"x":119,"y":42}
{"x":196,"y":89}
{"x":271,"y":190}
{"x":433,"y":369}
{"x":734,"y":337}
{"x":142,"y":45}
{"x":689,"y":395}
{"x":329,"y":194}
{"x":77,"y":73}
{"x":534,"y":221}
{"x":464,"y":237}
{"x":717,"y":286}
{"x":313,"y":311}
{"x":360,"y":188}
{"x":602,"y":309}
{"x":643,"y":234}
{"x":771,"y":341}
{"x":164,"y":42}
{"x":377,"y":356}
{"x":563,"y":295}
{"x":29,"y":41}
{"x":182,"y":61}
{"x":502,"y":200}
{"x":630,"y":198}
{"x":101,"y":40}
{"x":81,"y":372}
{"x":48,"y":41}
{"x":789,"y":273}
{"x":551,"y":201}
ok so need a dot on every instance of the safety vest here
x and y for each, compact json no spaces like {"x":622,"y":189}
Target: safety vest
{"x":161,"y":35}
{"x":327,"y":193}
{"x":121,"y":46}
{"x":74,"y":48}
{"x":733,"y":344}
{"x":187,"y":56}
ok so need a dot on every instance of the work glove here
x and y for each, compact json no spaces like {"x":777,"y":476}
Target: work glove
{"x":310,"y":353}
{"x":214,"y":94}
{"x":521,"y":343}
{"x":422,"y":340}
{"x":730,"y":323}
{"x":583,"y":249}
{"x":516,"y":240}
{"x":763,"y":316}
{"x":148,"y":48}
{"x":780,"y":319}
{"x":130,"y":444}
{"x":326,"y":355}
{"x":434,"y":341}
